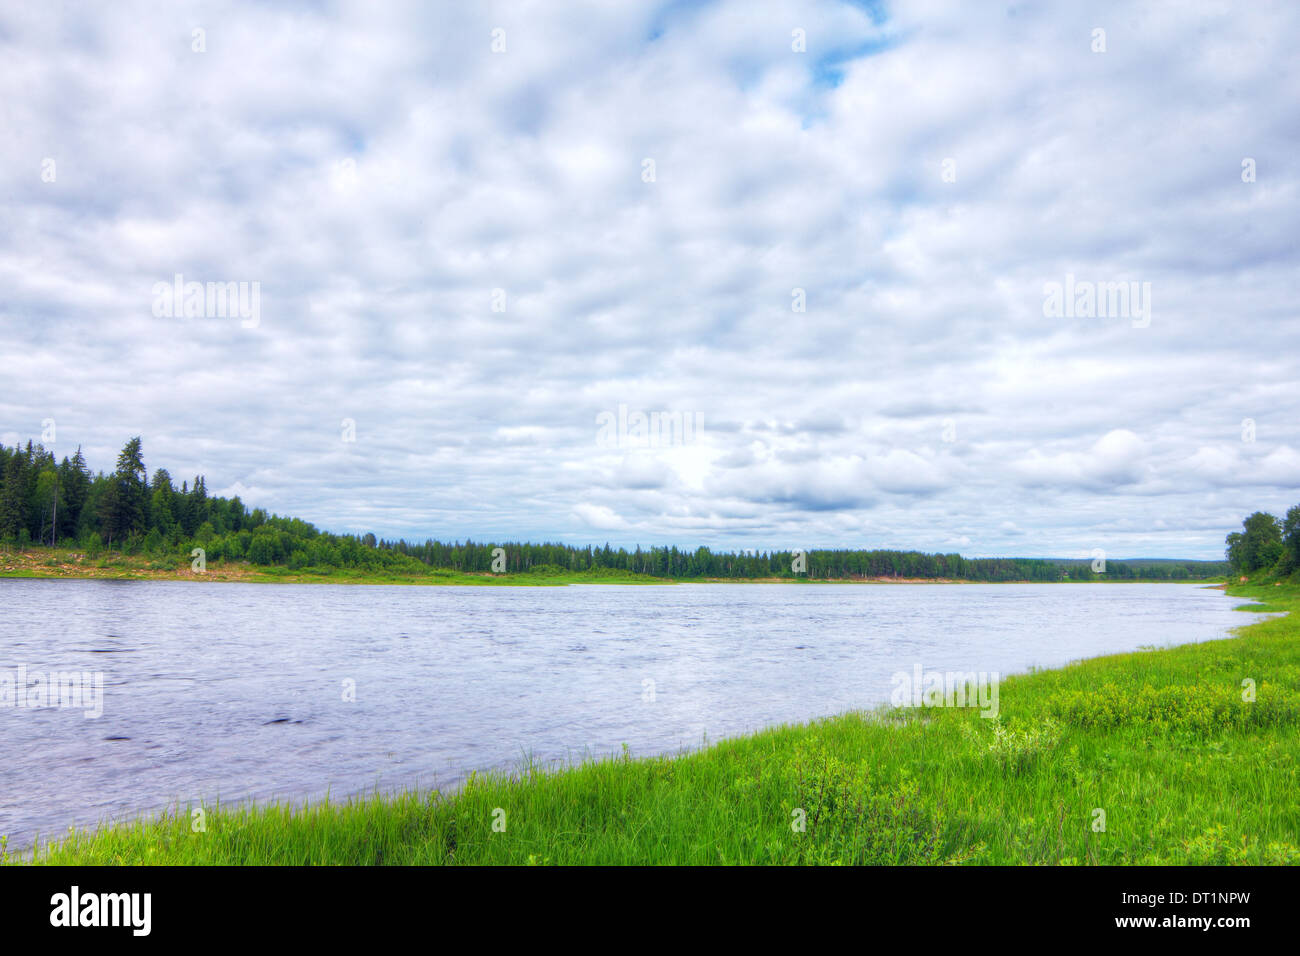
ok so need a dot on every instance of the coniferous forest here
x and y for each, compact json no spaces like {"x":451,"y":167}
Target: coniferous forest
{"x":47,"y":502}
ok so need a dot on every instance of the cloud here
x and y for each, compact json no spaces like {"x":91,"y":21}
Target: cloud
{"x":1115,"y":459}
{"x":1227,"y":466}
{"x":904,"y":472}
{"x":599,"y":516}
{"x":462,"y":252}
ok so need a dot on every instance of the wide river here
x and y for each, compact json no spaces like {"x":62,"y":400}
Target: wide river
{"x":257,"y":691}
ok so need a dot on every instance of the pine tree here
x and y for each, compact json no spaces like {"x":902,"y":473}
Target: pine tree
{"x":122,"y":508}
{"x":75,"y":479}
{"x":13,"y":497}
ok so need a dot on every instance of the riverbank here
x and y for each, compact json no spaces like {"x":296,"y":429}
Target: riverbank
{"x":67,"y":564}
{"x":1151,"y":757}
{"x":75,"y":565}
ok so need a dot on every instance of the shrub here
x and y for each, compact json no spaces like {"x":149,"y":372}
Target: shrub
{"x":852,"y":820}
{"x":1199,"y":708}
{"x":94,"y":545}
{"x":1016,"y":750}
{"x":1213,"y":847}
{"x":546,"y":570}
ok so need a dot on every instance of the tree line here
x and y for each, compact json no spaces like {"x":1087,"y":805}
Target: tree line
{"x":49,"y":502}
{"x":45,"y":502}
{"x":845,"y":564}
{"x":1266,"y":543}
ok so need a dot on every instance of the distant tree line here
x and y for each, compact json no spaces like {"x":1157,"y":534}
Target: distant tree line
{"x":1266,"y":543}
{"x":846,"y":564}
{"x":45,"y":502}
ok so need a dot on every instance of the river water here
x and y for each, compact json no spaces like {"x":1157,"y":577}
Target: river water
{"x":256,"y":691}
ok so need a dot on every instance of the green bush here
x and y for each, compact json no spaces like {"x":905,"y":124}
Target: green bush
{"x":1016,"y":751}
{"x":1214,"y":847}
{"x":1198,"y":708}
{"x":852,"y":820}
{"x":546,"y":570}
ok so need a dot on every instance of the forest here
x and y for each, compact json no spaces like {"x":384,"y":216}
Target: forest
{"x":46,"y":502}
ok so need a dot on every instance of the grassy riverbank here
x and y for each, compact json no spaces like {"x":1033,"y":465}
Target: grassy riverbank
{"x":72,"y":564}
{"x":64,"y":563}
{"x":1162,"y":741}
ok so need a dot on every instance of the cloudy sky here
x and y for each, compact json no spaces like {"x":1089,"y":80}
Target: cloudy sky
{"x":826,"y":232}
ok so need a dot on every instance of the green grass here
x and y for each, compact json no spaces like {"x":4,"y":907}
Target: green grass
{"x":541,"y":577}
{"x":1162,"y":741}
{"x":41,"y":561}
{"x":67,"y":563}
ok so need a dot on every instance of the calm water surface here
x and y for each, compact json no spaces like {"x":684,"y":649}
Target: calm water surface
{"x":236,"y":691}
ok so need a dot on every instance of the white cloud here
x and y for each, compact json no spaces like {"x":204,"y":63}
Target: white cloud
{"x":1115,"y":459}
{"x":381,"y":172}
{"x":599,"y":516}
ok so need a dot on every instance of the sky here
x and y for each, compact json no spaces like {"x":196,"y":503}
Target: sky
{"x":1013,"y":279}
